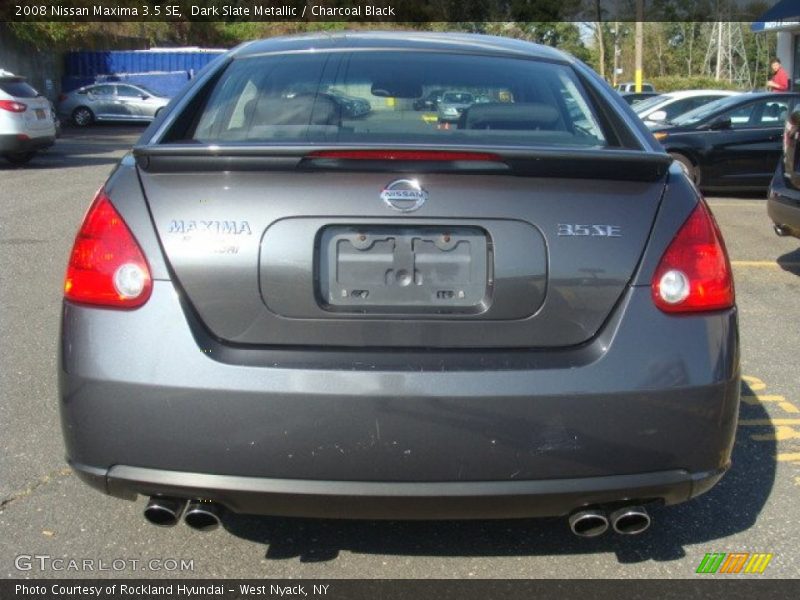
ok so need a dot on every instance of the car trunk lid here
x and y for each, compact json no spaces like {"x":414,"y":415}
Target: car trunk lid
{"x":310,"y":249}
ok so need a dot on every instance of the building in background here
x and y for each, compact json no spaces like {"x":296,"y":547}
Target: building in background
{"x":784,"y":18}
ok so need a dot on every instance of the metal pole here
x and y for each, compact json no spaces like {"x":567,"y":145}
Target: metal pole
{"x":639,"y":43}
{"x":616,"y":53}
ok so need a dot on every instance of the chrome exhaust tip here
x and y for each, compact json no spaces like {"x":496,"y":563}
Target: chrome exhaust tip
{"x":630,"y":520}
{"x":780,"y":230}
{"x":203,"y":515}
{"x":588,"y":523}
{"x":164,"y":512}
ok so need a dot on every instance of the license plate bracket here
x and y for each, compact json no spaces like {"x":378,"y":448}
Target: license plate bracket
{"x":404,"y":269}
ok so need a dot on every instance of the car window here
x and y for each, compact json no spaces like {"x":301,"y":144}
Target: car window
{"x":457,"y":98}
{"x":649,"y":103}
{"x":679,"y":107}
{"x":773,"y":113}
{"x":352,"y":98}
{"x":740,"y":117}
{"x":18,"y":88}
{"x":707,"y":110}
{"x":102,"y":90}
{"x":127,"y":91}
{"x":758,"y":114}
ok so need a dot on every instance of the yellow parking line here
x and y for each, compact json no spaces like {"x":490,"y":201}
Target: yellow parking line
{"x":770,"y":264}
{"x":754,"y":263}
{"x":783,"y":404}
{"x":788,"y":456}
{"x":746,"y":203}
{"x":756,"y":398}
{"x":767,"y":422}
{"x":779,"y":434}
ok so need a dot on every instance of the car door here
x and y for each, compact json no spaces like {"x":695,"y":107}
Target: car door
{"x":101,"y":100}
{"x":129,"y":100}
{"x":745,"y":153}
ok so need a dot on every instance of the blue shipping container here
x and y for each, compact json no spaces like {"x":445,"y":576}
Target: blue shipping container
{"x":84,"y":63}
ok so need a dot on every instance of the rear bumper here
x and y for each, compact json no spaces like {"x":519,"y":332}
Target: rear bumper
{"x":406,"y":500}
{"x":12,"y":144}
{"x":646,"y":411}
{"x":783,"y":204}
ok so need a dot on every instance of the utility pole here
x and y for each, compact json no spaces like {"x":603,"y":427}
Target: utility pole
{"x":601,"y":43}
{"x":616,"y":53}
{"x":639,"y":43}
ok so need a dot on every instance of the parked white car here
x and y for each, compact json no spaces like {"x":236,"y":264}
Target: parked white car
{"x":659,"y":110}
{"x":26,"y":120}
{"x":631,"y":87}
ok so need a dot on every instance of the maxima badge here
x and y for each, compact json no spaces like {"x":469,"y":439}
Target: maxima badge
{"x":404,"y":195}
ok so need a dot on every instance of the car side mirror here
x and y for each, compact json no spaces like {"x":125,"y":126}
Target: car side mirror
{"x":659,"y":116}
{"x":145,"y":96}
{"x":724,"y":123}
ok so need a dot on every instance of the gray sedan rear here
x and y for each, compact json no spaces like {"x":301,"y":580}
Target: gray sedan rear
{"x":273,"y":307}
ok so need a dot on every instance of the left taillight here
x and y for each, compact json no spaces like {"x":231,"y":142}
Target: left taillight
{"x":107,"y":267}
{"x":13,"y":106}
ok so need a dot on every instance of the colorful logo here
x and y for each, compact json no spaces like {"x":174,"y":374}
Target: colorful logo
{"x":734,"y":562}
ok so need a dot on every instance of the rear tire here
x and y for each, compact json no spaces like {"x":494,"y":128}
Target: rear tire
{"x":688,"y":166}
{"x":82,"y":116}
{"x":19,"y":159}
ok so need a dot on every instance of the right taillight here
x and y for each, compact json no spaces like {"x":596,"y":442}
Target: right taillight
{"x":694,"y":274}
{"x":107,"y":267}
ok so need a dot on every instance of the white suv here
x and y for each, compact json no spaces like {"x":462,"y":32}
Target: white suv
{"x":26,"y":120}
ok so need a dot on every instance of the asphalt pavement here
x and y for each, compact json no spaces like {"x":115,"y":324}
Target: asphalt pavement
{"x":45,"y":511}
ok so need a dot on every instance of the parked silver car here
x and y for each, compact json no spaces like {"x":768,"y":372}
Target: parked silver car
{"x":26,"y":123}
{"x":110,"y":102}
{"x":453,"y":104}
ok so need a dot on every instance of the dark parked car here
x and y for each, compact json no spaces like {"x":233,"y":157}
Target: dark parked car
{"x":352,"y":106}
{"x":271,"y":308}
{"x":430,"y":101}
{"x":783,"y":202}
{"x":731,"y":143}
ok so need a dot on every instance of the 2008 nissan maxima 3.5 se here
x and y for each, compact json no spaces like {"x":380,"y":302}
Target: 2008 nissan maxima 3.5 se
{"x":274,"y":308}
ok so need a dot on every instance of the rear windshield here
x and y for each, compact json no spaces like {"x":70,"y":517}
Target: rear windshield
{"x":373,"y":97}
{"x":18,"y":88}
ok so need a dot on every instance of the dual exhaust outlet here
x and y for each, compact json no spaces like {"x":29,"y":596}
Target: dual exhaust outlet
{"x":202,"y":515}
{"x":628,"y":520}
{"x":205,"y":515}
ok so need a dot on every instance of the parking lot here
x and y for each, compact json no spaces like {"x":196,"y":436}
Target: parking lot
{"x":46,"y":511}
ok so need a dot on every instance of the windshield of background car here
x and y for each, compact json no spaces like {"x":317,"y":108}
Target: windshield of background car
{"x":18,"y":88}
{"x":702,"y":112}
{"x":369,"y":97}
{"x":649,"y":103}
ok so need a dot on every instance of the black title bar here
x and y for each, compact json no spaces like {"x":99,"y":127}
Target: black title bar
{"x":412,"y":11}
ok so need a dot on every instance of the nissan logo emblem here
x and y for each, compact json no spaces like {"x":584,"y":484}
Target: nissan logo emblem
{"x":404,"y":195}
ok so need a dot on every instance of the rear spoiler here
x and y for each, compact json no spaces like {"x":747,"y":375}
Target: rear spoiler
{"x":581,"y":163}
